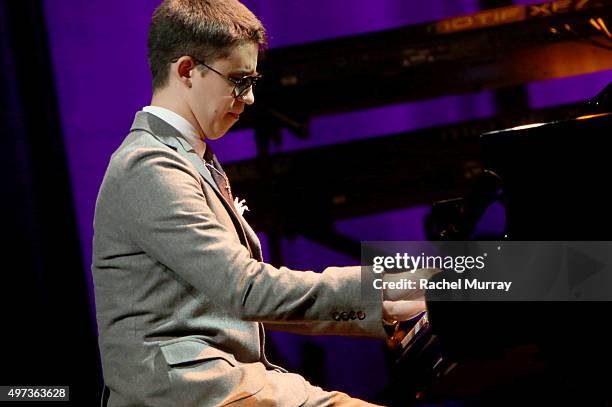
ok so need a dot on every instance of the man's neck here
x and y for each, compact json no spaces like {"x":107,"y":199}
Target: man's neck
{"x":167,"y":99}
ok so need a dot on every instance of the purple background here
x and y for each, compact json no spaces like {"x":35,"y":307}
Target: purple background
{"x":99,"y":59}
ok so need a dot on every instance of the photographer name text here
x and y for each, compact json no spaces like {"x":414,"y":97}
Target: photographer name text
{"x":425,"y":284}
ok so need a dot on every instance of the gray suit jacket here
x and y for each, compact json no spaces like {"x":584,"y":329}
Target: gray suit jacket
{"x":181,"y":289}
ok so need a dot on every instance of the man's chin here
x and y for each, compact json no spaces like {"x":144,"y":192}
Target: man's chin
{"x":218,"y":134}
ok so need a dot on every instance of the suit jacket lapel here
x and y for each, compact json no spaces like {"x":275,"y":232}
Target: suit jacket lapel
{"x":253,"y":240}
{"x":171,"y":137}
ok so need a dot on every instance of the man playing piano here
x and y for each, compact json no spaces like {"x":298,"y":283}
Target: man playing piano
{"x":182,"y":292}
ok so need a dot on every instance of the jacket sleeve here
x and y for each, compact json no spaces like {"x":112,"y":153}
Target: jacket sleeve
{"x":164,"y":211}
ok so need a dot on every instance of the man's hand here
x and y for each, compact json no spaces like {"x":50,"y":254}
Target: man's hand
{"x":402,"y":310}
{"x":401,"y":304}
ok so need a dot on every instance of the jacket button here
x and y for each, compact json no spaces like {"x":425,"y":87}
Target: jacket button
{"x":345,"y":316}
{"x":336,"y":316}
{"x":352,"y":315}
{"x":361,"y":315}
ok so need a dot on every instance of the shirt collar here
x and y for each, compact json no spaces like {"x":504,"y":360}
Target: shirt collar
{"x":181,"y":124}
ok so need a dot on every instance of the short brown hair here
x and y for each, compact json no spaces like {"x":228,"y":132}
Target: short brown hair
{"x":206,"y":29}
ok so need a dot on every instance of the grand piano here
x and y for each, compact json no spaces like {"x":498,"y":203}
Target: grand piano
{"x":550,"y":180}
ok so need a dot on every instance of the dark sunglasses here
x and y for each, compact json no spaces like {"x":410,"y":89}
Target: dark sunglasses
{"x":241,"y":86}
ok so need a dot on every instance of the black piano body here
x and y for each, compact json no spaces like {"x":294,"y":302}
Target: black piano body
{"x":553,"y":181}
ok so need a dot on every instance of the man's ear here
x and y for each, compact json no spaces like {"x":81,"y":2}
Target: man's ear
{"x":183,"y":67}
